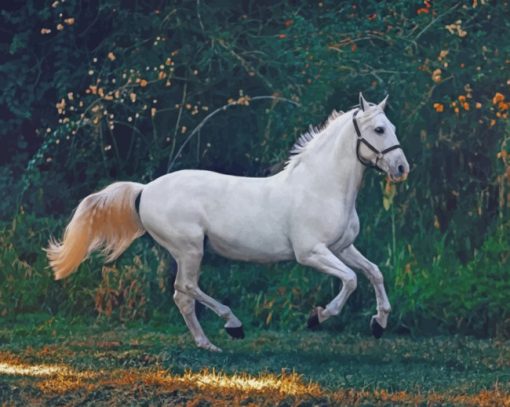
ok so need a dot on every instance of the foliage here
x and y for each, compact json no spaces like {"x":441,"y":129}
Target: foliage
{"x":95,"y":91}
{"x":467,"y":297}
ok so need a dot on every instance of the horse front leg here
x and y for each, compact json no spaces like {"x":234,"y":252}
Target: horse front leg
{"x":322,"y":259}
{"x":355,"y":259}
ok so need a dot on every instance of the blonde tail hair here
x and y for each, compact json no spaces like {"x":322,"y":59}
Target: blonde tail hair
{"x":106,"y":220}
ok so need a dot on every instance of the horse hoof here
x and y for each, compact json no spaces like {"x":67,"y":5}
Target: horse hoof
{"x":236,"y":333}
{"x":313,"y":320}
{"x":377,"y":330}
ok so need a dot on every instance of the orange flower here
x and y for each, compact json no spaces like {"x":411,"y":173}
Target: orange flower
{"x":502,"y":154}
{"x":503,"y":105}
{"x":438,"y":107}
{"x":462,"y":98}
{"x":478,"y":105}
{"x":443,"y":54}
{"x":465,"y":105}
{"x":143,"y":83}
{"x":436,"y":75}
{"x":498,"y":97}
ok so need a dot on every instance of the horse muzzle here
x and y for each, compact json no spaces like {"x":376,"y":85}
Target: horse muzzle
{"x":399,"y":170}
{"x":395,"y":165}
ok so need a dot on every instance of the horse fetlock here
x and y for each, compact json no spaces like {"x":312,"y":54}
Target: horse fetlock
{"x":233,"y":322}
{"x":384,"y":310}
{"x":225,"y":312}
{"x":331,"y":310}
{"x":204,"y":343}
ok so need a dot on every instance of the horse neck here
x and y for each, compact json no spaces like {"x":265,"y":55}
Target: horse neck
{"x":330,"y":164}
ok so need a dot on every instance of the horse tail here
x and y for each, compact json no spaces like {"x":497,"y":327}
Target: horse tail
{"x":107,"y":220}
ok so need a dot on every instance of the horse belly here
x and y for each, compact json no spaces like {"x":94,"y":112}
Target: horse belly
{"x":250,"y":243}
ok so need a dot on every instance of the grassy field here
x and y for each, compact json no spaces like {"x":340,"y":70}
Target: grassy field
{"x":53,"y":361}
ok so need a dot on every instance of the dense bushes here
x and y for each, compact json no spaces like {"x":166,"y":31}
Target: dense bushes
{"x":98,"y":91}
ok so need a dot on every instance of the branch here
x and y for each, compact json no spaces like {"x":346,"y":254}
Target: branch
{"x":440,"y":16}
{"x":171,"y":161}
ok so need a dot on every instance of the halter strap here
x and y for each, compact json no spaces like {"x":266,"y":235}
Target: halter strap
{"x":361,"y":139}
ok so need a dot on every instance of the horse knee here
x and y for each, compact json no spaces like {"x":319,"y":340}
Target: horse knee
{"x":351,"y":282}
{"x":375,"y":275}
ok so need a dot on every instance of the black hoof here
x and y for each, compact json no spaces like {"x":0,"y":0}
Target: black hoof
{"x":313,"y":320}
{"x":377,"y":330}
{"x":236,"y":333}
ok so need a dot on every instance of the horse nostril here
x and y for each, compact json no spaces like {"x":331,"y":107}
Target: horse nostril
{"x":401,"y":169}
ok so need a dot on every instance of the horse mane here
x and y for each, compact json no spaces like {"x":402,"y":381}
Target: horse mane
{"x":304,"y":140}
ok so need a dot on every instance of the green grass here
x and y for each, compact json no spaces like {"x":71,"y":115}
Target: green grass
{"x":344,"y":368}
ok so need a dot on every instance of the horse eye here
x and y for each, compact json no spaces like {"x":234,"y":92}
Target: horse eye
{"x":379,"y":130}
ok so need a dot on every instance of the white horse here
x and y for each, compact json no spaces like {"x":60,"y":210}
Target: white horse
{"x":306,"y":212}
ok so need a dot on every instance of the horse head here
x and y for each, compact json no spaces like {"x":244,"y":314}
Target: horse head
{"x":378,"y":145}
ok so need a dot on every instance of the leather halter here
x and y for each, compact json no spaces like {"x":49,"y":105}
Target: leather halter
{"x":379,"y":154}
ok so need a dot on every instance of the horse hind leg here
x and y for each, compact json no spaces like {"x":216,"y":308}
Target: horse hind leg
{"x":233,"y":325}
{"x":186,"y":305}
{"x":186,"y":282}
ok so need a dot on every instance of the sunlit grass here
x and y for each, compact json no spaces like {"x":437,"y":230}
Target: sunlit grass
{"x":213,"y":386}
{"x":29,"y":370}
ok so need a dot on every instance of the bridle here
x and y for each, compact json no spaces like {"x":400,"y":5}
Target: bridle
{"x":361,"y":139}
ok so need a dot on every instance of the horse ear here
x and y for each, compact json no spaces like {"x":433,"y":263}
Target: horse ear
{"x":362,"y":102}
{"x":382,"y":105}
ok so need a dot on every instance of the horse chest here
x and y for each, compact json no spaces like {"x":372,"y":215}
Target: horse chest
{"x":345,"y":233}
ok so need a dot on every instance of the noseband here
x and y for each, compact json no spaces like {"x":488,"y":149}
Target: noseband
{"x":379,"y":154}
